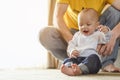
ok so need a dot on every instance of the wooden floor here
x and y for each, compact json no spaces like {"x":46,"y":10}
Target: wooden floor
{"x":52,"y":74}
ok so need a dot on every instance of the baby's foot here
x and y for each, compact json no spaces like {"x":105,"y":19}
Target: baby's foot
{"x":76,"y":69}
{"x":67,"y":71}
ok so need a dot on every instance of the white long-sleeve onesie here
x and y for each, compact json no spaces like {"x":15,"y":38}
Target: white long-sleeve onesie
{"x":86,"y":45}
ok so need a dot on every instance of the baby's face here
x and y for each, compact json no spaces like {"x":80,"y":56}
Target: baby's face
{"x":87,"y":24}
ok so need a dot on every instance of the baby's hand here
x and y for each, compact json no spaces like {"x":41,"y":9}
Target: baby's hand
{"x":103,"y":28}
{"x":74,"y":54}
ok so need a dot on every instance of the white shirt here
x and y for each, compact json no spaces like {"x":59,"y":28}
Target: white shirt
{"x":87,"y":45}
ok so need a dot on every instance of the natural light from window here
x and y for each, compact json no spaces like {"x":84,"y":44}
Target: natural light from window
{"x":20,"y":22}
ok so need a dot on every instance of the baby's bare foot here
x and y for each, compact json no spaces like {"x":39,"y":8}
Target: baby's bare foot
{"x":76,"y":69}
{"x":67,"y":71}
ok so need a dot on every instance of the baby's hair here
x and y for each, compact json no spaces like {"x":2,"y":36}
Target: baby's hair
{"x":93,"y":13}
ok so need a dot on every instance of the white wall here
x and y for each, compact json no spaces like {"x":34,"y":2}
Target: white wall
{"x":20,"y":22}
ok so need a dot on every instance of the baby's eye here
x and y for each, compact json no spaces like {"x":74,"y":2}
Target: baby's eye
{"x":88,"y":24}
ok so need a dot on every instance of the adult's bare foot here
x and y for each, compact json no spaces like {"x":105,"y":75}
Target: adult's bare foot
{"x":76,"y":69}
{"x":111,"y":68}
{"x":67,"y":71}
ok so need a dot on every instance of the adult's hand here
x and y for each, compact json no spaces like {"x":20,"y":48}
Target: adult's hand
{"x":106,"y":49}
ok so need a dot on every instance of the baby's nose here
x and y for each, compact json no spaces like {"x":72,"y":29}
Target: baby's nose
{"x":84,"y":26}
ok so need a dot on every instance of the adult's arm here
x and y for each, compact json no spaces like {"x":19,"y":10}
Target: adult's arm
{"x":110,"y":45}
{"x":116,"y":4}
{"x":108,"y":48}
{"x":60,"y":10}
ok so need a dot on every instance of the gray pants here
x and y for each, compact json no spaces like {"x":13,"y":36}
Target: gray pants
{"x":52,"y":40}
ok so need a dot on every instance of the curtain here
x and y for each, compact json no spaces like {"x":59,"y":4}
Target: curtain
{"x":52,"y":61}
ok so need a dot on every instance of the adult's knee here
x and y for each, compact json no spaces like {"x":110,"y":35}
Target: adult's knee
{"x":111,"y":17}
{"x":43,"y":34}
{"x":46,"y":35}
{"x":114,"y":15}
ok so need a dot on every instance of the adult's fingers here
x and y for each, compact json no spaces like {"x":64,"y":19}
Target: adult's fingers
{"x":102,"y":50}
{"x":108,"y":50}
{"x":98,"y":47}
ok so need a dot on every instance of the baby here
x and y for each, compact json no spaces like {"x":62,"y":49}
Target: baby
{"x":83,"y":57}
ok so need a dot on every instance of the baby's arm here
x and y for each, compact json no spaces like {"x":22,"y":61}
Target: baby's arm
{"x":74,"y":54}
{"x":72,"y":44}
{"x":104,"y":37}
{"x":103,"y":29}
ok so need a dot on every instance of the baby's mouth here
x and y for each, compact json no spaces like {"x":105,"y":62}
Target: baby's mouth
{"x":85,"y":31}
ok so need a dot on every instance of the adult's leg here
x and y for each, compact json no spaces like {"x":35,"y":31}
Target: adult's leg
{"x":110,"y":18}
{"x":51,"y":39}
